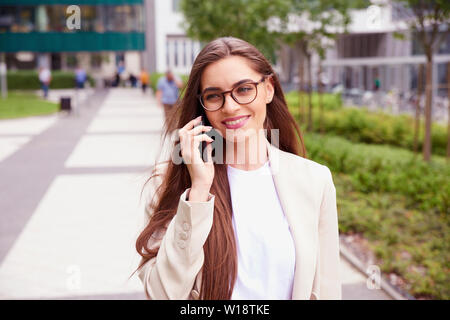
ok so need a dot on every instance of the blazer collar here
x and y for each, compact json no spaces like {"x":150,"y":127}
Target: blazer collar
{"x":290,"y":175}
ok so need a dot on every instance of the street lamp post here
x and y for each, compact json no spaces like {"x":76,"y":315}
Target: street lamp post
{"x":3,"y":76}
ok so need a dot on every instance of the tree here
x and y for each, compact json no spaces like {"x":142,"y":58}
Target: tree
{"x":206,"y":20}
{"x":427,"y":18}
{"x":448,"y":107}
{"x":313,"y":25}
{"x":418,"y":111}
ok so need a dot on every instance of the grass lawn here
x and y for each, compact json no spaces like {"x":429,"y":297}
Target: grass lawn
{"x":24,"y":104}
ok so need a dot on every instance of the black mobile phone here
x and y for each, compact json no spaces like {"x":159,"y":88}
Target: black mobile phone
{"x":203,"y":144}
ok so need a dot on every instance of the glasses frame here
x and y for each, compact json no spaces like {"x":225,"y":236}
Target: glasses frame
{"x":256,"y":83}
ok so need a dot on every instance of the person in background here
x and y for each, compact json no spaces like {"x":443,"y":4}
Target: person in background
{"x":116,"y":80}
{"x":133,"y":80}
{"x":121,"y":68}
{"x":121,"y":74}
{"x":377,"y":84}
{"x":167,"y":92}
{"x":144,"y":77}
{"x":80,"y":77}
{"x":45,"y":77}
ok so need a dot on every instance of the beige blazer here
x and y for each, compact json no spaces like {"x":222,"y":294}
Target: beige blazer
{"x":308,"y":198}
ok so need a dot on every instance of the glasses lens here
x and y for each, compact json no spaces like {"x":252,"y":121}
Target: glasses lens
{"x":212,"y":100}
{"x":245,"y":93}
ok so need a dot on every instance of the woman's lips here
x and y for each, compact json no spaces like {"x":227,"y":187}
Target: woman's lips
{"x":236,"y":124}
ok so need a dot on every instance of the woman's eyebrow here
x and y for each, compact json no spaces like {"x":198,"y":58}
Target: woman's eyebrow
{"x":234,"y":85}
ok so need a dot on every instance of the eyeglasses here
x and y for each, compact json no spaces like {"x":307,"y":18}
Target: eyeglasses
{"x":243,"y":93}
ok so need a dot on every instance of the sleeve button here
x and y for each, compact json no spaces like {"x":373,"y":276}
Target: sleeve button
{"x":186,"y":226}
{"x":184,"y":235}
{"x":182,"y":244}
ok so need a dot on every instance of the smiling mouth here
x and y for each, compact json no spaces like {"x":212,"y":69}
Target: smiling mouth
{"x":234,"y":122}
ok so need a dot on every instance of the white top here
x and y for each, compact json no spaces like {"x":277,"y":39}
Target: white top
{"x":44,"y":75}
{"x":265,"y":248}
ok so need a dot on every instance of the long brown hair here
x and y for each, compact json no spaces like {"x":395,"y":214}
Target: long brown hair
{"x":219,"y":270}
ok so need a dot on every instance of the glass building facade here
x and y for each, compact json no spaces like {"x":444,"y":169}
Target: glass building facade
{"x":41,"y":26}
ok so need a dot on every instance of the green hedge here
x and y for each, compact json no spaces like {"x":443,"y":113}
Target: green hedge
{"x":398,"y":202}
{"x":29,"y":80}
{"x":330,"y":101}
{"x":361,"y":125}
{"x":387,"y":169}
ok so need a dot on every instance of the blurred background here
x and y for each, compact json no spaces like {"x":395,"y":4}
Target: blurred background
{"x":367,"y":81}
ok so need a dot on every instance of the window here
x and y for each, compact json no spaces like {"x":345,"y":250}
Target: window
{"x":71,"y":60}
{"x":96,"y":60}
{"x":175,"y":5}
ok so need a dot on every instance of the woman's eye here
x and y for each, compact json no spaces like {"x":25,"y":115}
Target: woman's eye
{"x":244,"y":89}
{"x":212,"y":96}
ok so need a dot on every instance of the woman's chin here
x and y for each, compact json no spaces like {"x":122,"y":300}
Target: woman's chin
{"x":238,"y":135}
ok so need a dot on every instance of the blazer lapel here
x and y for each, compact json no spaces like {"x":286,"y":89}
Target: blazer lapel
{"x":291,"y":179}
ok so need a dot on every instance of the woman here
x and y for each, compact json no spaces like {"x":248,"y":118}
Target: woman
{"x":230,"y":230}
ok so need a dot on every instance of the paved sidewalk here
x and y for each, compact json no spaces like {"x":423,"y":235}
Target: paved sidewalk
{"x":69,"y":201}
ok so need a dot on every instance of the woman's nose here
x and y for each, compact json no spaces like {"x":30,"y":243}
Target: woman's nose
{"x":229,"y":105}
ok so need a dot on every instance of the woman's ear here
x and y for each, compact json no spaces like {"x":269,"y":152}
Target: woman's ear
{"x":270,"y":89}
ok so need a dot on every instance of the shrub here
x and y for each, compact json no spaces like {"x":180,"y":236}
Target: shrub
{"x":361,"y":125}
{"x":330,"y":101}
{"x":29,"y":80}
{"x":399,"y":203}
{"x":386,"y":169}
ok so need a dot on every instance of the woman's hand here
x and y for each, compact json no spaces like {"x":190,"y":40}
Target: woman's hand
{"x":201,"y":172}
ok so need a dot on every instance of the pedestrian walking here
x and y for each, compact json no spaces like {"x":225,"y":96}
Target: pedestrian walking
{"x":80,"y":77}
{"x":144,"y":77}
{"x":167,"y":92}
{"x":121,"y":71}
{"x":238,"y":226}
{"x":45,"y":77}
{"x":133,"y":80}
{"x":116,"y":80}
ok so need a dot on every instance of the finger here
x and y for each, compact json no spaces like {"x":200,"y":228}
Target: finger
{"x":203,"y":137}
{"x":192,"y":123}
{"x":209,"y":153}
{"x":199,"y":129}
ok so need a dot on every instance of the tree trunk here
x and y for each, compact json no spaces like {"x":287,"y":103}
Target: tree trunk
{"x":428,"y":105}
{"x":301,"y":73}
{"x":320,"y":92}
{"x":417,"y":118}
{"x":310,"y":108}
{"x":448,"y":106}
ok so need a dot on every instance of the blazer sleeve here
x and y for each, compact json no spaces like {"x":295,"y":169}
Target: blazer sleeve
{"x":173,"y":272}
{"x":327,"y":283}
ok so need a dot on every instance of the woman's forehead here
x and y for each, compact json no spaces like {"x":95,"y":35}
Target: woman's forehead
{"x":227,"y":71}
